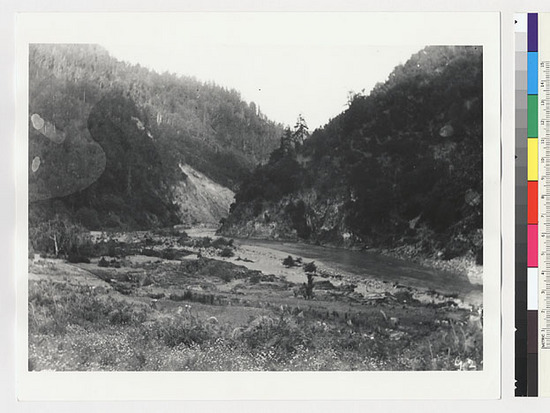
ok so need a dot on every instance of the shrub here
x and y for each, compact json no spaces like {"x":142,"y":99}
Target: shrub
{"x":150,"y":253}
{"x":204,"y":242}
{"x":227,"y":252}
{"x":109,"y":248}
{"x":181,"y":331}
{"x":455,"y":248}
{"x":168,"y":254}
{"x":184,"y":240}
{"x":310,"y":267}
{"x":255,"y":278}
{"x":76,"y":258}
{"x":289,"y":262}
{"x":283,"y":336}
{"x":103,"y":262}
{"x":222,"y":242}
{"x":60,"y":237}
{"x":120,"y":316}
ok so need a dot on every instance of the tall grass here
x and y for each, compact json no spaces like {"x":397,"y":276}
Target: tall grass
{"x":75,"y":327}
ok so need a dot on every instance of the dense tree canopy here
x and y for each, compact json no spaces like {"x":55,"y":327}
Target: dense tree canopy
{"x":207,"y":126}
{"x":106,"y":137}
{"x":403,"y":164}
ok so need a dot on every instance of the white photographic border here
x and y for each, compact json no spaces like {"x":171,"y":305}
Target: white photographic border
{"x":430,"y":28}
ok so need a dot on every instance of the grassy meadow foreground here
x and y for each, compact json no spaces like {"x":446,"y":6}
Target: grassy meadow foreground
{"x":168,"y":301}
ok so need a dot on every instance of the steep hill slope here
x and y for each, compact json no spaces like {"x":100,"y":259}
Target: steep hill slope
{"x":402,"y":166}
{"x":195,"y":191}
{"x":106,"y":138}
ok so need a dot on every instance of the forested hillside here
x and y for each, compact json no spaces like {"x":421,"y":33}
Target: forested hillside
{"x":107,"y":138}
{"x":400,"y":167}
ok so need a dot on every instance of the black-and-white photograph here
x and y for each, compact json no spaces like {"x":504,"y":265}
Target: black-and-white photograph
{"x":330,"y":220}
{"x":189,"y":213}
{"x":257,"y":206}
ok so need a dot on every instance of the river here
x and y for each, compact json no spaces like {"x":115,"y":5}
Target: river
{"x":359,"y":264}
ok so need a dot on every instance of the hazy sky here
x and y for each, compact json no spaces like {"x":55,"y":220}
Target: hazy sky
{"x":284,"y":80}
{"x":287,"y":63}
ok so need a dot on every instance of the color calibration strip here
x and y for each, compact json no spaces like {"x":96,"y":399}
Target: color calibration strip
{"x":526,"y":272}
{"x":532,"y":203}
{"x":543,"y":290}
{"x":532,"y":276}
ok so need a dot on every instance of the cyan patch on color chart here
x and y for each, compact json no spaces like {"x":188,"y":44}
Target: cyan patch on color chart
{"x":532,"y":73}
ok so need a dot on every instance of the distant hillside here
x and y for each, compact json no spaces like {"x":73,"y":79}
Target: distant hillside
{"x":106,"y":138}
{"x":401,"y":166}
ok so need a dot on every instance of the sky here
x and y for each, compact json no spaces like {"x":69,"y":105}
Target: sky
{"x":287,"y":63}
{"x":284,"y":80}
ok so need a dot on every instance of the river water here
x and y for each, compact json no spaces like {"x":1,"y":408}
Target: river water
{"x":368,"y":265}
